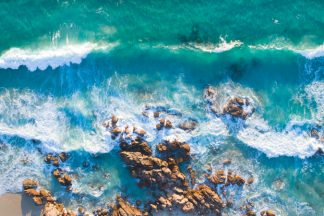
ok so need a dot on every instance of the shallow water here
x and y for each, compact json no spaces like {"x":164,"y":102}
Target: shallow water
{"x":66,"y":66}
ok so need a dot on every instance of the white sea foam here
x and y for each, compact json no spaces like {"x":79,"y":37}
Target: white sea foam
{"x":259,"y":135}
{"x":310,"y":53}
{"x":220,"y":47}
{"x":48,"y":57}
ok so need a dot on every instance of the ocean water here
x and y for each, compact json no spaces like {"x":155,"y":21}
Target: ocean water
{"x":67,"y":66}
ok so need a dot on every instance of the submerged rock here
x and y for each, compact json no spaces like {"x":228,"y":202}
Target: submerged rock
{"x":188,"y":125}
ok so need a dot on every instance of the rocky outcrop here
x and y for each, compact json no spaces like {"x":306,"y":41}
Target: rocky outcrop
{"x":136,"y":145}
{"x":153,"y":171}
{"x":236,"y":106}
{"x":201,"y":201}
{"x":123,"y":208}
{"x":180,"y":151}
{"x":188,"y":125}
{"x":164,"y":123}
{"x":219,"y":177}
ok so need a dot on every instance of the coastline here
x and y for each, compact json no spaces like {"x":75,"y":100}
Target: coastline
{"x":17,"y":204}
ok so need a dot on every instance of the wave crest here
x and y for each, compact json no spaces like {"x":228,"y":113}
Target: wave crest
{"x":49,"y":57}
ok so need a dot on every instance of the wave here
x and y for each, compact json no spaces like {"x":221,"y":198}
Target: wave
{"x":294,"y":140}
{"x":49,"y":57}
{"x":309,"y":53}
{"x":220,"y":47}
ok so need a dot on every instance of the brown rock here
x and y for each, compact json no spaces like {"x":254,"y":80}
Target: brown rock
{"x":114,"y":120}
{"x":123,"y":208}
{"x":56,"y":173}
{"x":30,"y":184}
{"x":67,"y":179}
{"x":44,"y":193}
{"x":250,"y":180}
{"x":218,"y":178}
{"x":137,"y":145}
{"x":159,"y":126}
{"x":268,"y":213}
{"x":37,"y":200}
{"x":52,"y":209}
{"x":81,"y":210}
{"x":32,"y":192}
{"x":48,"y":158}
{"x":156,"y":114}
{"x":117,"y":130}
{"x":168,"y":124}
{"x":63,"y":156}
{"x":140,"y":131}
{"x":227,"y":161}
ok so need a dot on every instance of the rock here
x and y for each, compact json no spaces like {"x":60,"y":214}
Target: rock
{"x":53,"y":209}
{"x":234,"y":179}
{"x":250,"y":213}
{"x":129,"y":129}
{"x":153,"y":171}
{"x":30,"y":184}
{"x":123,"y":208}
{"x":168,"y":124}
{"x":137,"y":145}
{"x":57,"y":173}
{"x":179,"y":151}
{"x":114,"y":120}
{"x":159,"y":126}
{"x":55,"y":161}
{"x":44,"y":193}
{"x":200,"y":201}
{"x":250,"y":180}
{"x":67,"y":179}
{"x":314,"y":133}
{"x":48,"y":158}
{"x":63,"y":156}
{"x":32,"y":192}
{"x":267,"y":213}
{"x":188,"y":125}
{"x":81,"y":210}
{"x":219,"y":177}
{"x":238,"y":107}
{"x":37,"y":200}
{"x":156,"y":114}
{"x":227,"y":161}
{"x":117,"y":130}
{"x":139,"y":131}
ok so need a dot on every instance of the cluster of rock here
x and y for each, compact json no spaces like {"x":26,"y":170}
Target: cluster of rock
{"x":220,"y":177}
{"x":238,"y":107}
{"x":62,"y":176}
{"x":179,"y":151}
{"x":44,"y":197}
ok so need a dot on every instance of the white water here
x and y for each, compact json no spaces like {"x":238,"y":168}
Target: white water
{"x":48,"y":57}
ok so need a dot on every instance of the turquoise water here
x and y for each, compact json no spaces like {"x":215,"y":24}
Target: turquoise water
{"x":66,"y":66}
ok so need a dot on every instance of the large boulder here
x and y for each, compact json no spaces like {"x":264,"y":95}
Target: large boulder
{"x":136,"y":145}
